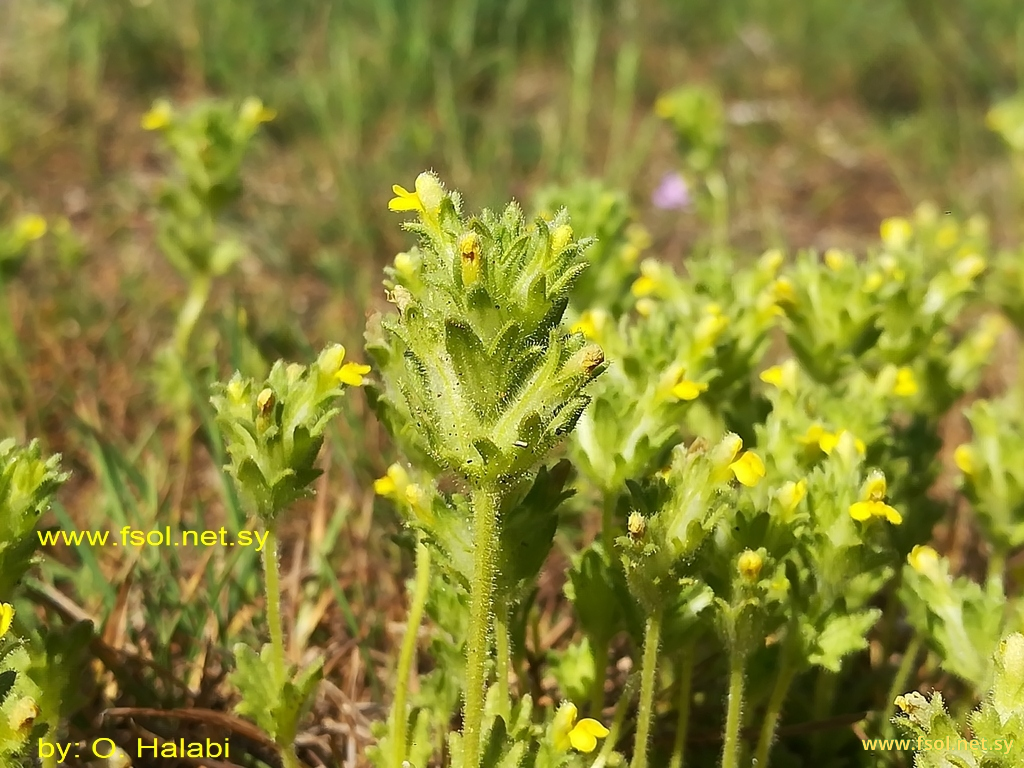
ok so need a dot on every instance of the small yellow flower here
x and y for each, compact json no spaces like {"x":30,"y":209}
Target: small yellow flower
{"x":873,"y":282}
{"x":426,"y":198}
{"x":265,"y":401}
{"x":6,"y":617}
{"x":791,"y":494}
{"x":906,"y":384}
{"x":29,"y":228}
{"x":771,"y":261}
{"x":636,"y":525}
{"x":23,"y":716}
{"x":393,"y":484}
{"x":645,"y":307}
{"x":470,"y":253}
{"x":560,"y":238}
{"x":835,"y":259}
{"x":782,"y":376}
{"x":591,"y":323}
{"x":159,"y":116}
{"x":748,"y":469}
{"x":969,"y":266}
{"x":352,"y":374}
{"x":896,"y":232}
{"x":923,"y":558}
{"x":963,"y":457}
{"x":405,"y":265}
{"x":664,"y":107}
{"x":581,"y":736}
{"x":236,"y":391}
{"x":689,"y":390}
{"x":643,"y":286}
{"x":784,"y":293}
{"x":749,"y":565}
{"x":948,"y":235}
{"x":710,"y":327}
{"x":253,"y":112}
{"x":872,"y":503}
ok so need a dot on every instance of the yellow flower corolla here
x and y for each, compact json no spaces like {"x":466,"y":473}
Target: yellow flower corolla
{"x":784,"y":293}
{"x":963,"y":457}
{"x":591,"y":323}
{"x":349,"y":373}
{"x":749,"y":565}
{"x":969,"y":266}
{"x":771,"y":260}
{"x":581,"y":735}
{"x":470,"y":254}
{"x":393,"y":484}
{"x":645,"y":307}
{"x":405,"y":265}
{"x":923,"y":558}
{"x":29,"y":228}
{"x":782,"y":376}
{"x":906,"y":384}
{"x":873,"y":282}
{"x":835,"y":259}
{"x":710,"y":327}
{"x":872,"y":503}
{"x":948,"y":235}
{"x":6,"y":617}
{"x":688,"y":390}
{"x":159,"y":116}
{"x":426,"y":198}
{"x":896,"y":232}
{"x":827,"y":441}
{"x":791,"y":494}
{"x":253,"y":112}
{"x":560,"y":238}
{"x":748,"y":469}
{"x":891,"y":268}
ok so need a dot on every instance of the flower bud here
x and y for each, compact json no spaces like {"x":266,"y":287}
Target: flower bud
{"x":749,"y":565}
{"x":560,"y":238}
{"x":636,"y":525}
{"x":469,"y":250}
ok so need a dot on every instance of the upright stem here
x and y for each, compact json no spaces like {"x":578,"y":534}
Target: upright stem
{"x":771,"y":717}
{"x":734,"y":716}
{"x":399,"y":715}
{"x":198,"y":293}
{"x":503,"y":650}
{"x":648,"y":680}
{"x":599,"y":653}
{"x":481,"y":598}
{"x":276,"y":633}
{"x":685,"y":688}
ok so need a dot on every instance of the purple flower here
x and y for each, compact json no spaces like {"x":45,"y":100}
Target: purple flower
{"x":672,"y":194}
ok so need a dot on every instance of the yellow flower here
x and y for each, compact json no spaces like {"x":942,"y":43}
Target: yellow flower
{"x":29,"y":228}
{"x":896,"y":232}
{"x":159,"y":116}
{"x":906,"y":385}
{"x":23,"y":716}
{"x":835,"y":259}
{"x":6,"y":617}
{"x":426,"y":198}
{"x":873,"y":282}
{"x":872,"y":503}
{"x":253,"y":112}
{"x":581,"y":736}
{"x":469,"y":251}
{"x":688,"y":390}
{"x":748,"y":469}
{"x":393,"y":484}
{"x":923,"y":558}
{"x":710,"y":327}
{"x":827,"y":441}
{"x":405,"y":265}
{"x":782,"y":376}
{"x":963,"y":457}
{"x":591,"y":323}
{"x":645,"y":307}
{"x":352,"y":374}
{"x":969,"y":266}
{"x":560,"y":238}
{"x":771,"y":260}
{"x":791,"y":494}
{"x":784,"y":293}
{"x":948,"y":235}
{"x":643,"y":286}
{"x":749,"y":565}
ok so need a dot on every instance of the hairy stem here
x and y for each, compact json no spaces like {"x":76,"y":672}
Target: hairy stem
{"x":276,"y":633}
{"x":734,"y":716}
{"x":685,"y":695}
{"x":648,"y":681}
{"x":399,"y":715}
{"x":771,"y":717}
{"x":481,"y":598}
{"x":503,"y":650}
{"x":599,"y":653}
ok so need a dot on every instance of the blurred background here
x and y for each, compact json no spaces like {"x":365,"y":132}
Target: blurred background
{"x":823,"y":118}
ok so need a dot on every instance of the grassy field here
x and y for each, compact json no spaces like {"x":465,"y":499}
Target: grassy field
{"x":834,"y":117}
